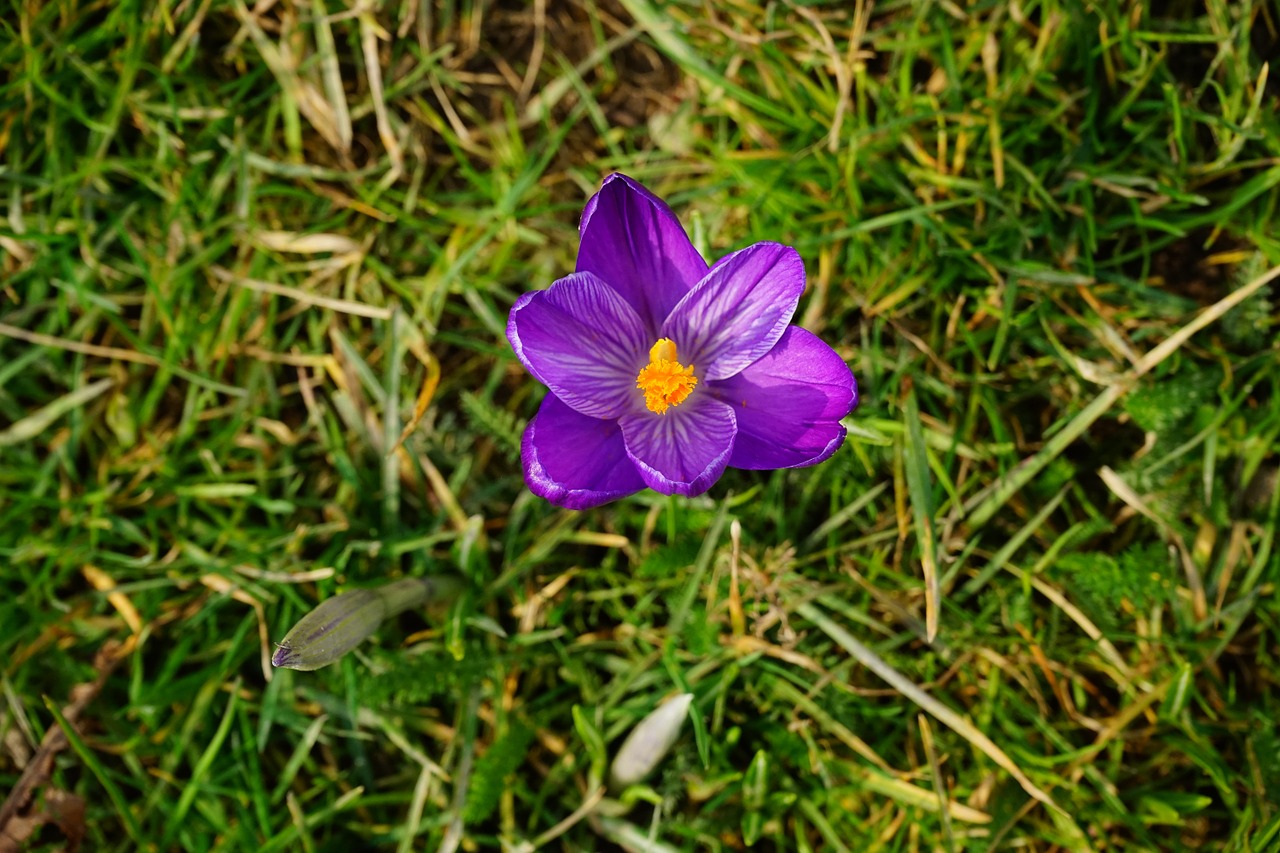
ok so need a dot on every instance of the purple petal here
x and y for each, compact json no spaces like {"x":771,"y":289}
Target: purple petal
{"x":584,"y":342}
{"x":738,"y":311}
{"x":685,"y":450}
{"x":789,"y":403}
{"x":576,"y":461}
{"x":632,"y":240}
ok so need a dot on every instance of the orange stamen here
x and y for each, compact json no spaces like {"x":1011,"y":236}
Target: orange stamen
{"x":664,"y":380}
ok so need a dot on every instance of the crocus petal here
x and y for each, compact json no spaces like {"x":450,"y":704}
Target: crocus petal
{"x":632,"y":240}
{"x":789,"y":403}
{"x":584,"y":342}
{"x":576,"y":461}
{"x":738,"y":311}
{"x":685,"y":450}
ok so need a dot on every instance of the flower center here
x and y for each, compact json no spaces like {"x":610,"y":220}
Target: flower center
{"x":664,"y":380}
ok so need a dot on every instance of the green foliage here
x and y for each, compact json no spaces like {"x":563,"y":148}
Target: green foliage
{"x":668,"y":561}
{"x":489,"y":777}
{"x":1129,"y":582}
{"x":1265,"y":744}
{"x":409,"y":680}
{"x":1253,"y":325}
{"x":1166,"y":405}
{"x":489,"y":420}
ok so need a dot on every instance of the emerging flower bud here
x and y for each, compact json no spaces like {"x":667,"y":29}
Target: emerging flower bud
{"x":341,"y":623}
{"x":649,"y":742}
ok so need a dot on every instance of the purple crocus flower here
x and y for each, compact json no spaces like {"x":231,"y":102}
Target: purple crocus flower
{"x":663,"y":371}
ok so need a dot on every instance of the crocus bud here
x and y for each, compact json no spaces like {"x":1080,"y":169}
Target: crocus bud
{"x":649,"y":742}
{"x":343,"y":622}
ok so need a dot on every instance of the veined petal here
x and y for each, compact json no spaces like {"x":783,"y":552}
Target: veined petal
{"x":685,"y":450}
{"x":584,"y":342}
{"x":576,"y":461}
{"x":739,"y":310}
{"x":632,"y":240}
{"x":789,"y":403}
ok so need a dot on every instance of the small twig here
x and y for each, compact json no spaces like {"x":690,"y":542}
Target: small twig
{"x":40,"y":768}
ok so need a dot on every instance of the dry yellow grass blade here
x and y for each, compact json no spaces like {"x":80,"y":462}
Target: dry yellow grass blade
{"x":103,"y":582}
{"x":219,"y":584}
{"x":40,"y":420}
{"x":1204,"y":319}
{"x":934,"y":707}
{"x":802,"y":702}
{"x":13,"y":247}
{"x":184,"y":40}
{"x":311,"y":103}
{"x":331,"y":73}
{"x":1105,"y":646}
{"x":982,"y":506}
{"x":77,"y":346}
{"x":307,"y":244}
{"x":369,"y":35}
{"x":343,"y":306}
{"x":427,"y":393}
{"x":309,"y":576}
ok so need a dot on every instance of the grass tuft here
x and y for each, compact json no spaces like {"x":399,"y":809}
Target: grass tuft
{"x":255,"y":267}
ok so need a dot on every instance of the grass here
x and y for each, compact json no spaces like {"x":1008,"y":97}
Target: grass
{"x":241,"y":244}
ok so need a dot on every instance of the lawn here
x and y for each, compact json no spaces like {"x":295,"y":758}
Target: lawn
{"x":256,"y":263}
